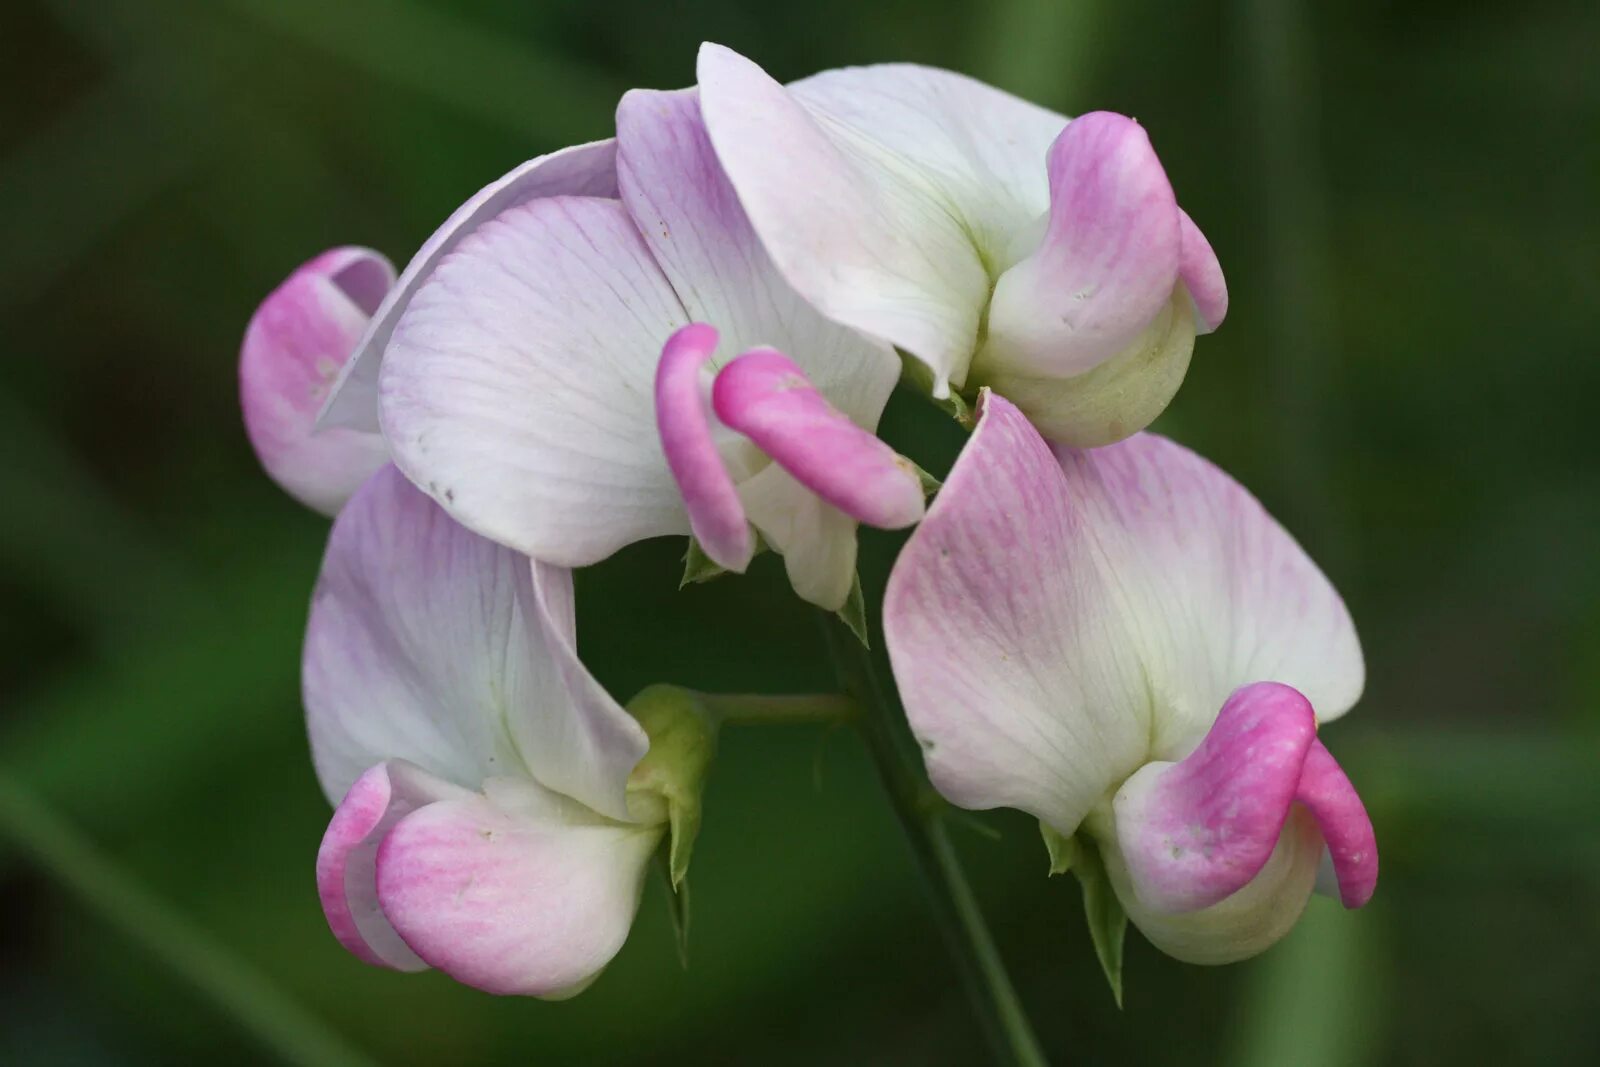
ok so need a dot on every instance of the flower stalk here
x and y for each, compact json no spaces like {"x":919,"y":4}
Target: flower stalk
{"x":921,"y":813}
{"x":758,"y":709}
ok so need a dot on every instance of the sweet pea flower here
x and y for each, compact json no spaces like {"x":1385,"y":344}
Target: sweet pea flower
{"x":554,"y":382}
{"x":299,"y":339}
{"x":993,"y":241}
{"x":485,"y":821}
{"x":1124,"y":644}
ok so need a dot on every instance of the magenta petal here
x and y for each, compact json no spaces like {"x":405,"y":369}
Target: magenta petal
{"x":1108,"y":261}
{"x":715,"y":514}
{"x":346,"y":862}
{"x":533,"y":897}
{"x":297,"y":341}
{"x":1202,"y":276}
{"x":1195,"y":832}
{"x":1342,"y":817}
{"x":766,"y":397}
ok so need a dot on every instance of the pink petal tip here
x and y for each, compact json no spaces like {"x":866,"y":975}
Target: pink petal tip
{"x":1195,"y":832}
{"x":297,"y":342}
{"x":715,"y":514}
{"x":765,"y":396}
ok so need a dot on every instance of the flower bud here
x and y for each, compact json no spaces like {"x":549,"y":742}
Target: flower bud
{"x":666,"y":784}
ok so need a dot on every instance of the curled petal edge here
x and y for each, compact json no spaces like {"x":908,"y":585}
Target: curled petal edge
{"x":1107,"y":262}
{"x":764,"y":395}
{"x":1195,"y":832}
{"x":301,"y":336}
{"x":715,"y":514}
{"x":347,"y":860}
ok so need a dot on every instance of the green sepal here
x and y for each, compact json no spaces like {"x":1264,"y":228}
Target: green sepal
{"x":1108,"y":923}
{"x":677,"y":905}
{"x":955,"y":405}
{"x":1063,"y":849}
{"x":697,"y":566}
{"x":916,"y":374}
{"x":668,"y":781}
{"x":854,"y":612}
{"x":930,"y":484}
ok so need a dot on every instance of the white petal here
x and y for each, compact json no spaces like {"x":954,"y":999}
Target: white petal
{"x":677,"y":194}
{"x":816,"y":539}
{"x":1017,"y":680}
{"x":1214,"y":593}
{"x":888,"y":196}
{"x":430,"y":644}
{"x":517,"y":389}
{"x":582,"y":170}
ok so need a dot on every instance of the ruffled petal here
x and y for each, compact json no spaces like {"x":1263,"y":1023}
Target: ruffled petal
{"x":347,"y":880}
{"x":1195,"y":832}
{"x":715,"y":515}
{"x":765,"y":396}
{"x":1107,"y":262}
{"x":516,"y":892}
{"x":687,"y":212}
{"x":517,"y":387}
{"x":430,"y":644}
{"x":884,"y":194}
{"x":582,"y":170}
{"x":1018,"y":681}
{"x":295,"y":345}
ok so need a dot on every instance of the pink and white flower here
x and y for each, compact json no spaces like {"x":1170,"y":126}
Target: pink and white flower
{"x":542,"y":385}
{"x":994,"y":241}
{"x":297,"y":343}
{"x":1123,"y":643}
{"x":484,"y":821}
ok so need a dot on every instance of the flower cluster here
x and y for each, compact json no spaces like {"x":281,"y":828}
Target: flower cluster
{"x":693,"y":329}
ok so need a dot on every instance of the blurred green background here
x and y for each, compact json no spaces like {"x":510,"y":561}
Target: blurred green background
{"x":1404,"y":197}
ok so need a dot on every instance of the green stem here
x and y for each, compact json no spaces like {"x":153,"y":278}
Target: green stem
{"x":60,"y":850}
{"x":754,"y":709}
{"x":921,"y":814}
